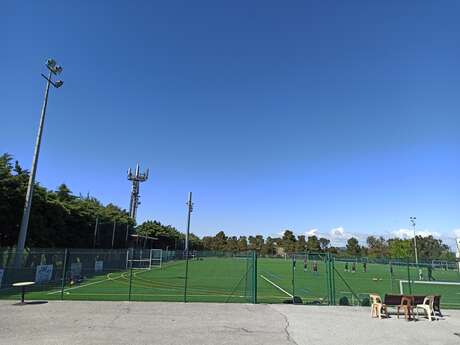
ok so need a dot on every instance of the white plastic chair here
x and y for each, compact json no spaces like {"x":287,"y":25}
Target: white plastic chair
{"x":427,"y":307}
{"x":377,"y":306}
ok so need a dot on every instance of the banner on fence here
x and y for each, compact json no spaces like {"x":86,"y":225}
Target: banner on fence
{"x":1,"y":276}
{"x":75,"y":269}
{"x":98,"y":266}
{"x":43,"y":273}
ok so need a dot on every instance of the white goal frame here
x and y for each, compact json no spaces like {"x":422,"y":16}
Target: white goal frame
{"x":152,"y":261}
{"x":401,"y":282}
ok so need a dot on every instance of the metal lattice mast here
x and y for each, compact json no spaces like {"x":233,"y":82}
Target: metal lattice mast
{"x":136,"y":179}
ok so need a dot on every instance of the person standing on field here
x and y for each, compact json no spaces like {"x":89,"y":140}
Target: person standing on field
{"x":315,"y":266}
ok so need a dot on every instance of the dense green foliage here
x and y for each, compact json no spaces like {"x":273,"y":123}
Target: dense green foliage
{"x":58,"y":218}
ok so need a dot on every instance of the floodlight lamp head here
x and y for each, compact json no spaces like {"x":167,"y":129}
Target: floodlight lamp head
{"x":51,"y":63}
{"x":57,"y":69}
{"x":58,"y":84}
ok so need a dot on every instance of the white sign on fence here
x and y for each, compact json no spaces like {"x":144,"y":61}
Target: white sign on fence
{"x":75,"y":269}
{"x":43,"y":273}
{"x":98,"y":266}
{"x":1,"y":276}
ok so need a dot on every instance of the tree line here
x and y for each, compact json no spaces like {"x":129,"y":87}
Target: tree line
{"x":58,"y":218}
{"x":61,"y":219}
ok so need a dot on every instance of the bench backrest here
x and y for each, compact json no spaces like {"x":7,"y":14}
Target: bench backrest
{"x":418,"y":299}
{"x":392,"y":299}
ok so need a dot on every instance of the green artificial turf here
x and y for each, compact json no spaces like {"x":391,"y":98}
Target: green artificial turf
{"x":227,"y":279}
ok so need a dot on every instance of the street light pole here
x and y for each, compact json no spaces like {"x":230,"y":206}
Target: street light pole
{"x":53,"y":69}
{"x":413,"y":221}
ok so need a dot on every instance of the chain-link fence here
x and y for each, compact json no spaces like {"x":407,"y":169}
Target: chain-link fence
{"x":356,"y":278}
{"x":130,"y":274}
{"x":203,"y":276}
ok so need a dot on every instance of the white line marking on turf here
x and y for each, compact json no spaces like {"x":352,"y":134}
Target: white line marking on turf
{"x":80,"y":286}
{"x":277,"y":286}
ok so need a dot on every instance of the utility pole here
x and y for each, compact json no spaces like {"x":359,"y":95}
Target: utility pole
{"x":413,"y":221}
{"x":95,"y":231}
{"x":136,"y":178}
{"x":113,"y":232}
{"x":190,"y":210}
{"x":54,"y":69}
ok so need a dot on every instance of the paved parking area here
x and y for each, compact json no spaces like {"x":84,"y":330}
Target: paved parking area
{"x":72,"y":322}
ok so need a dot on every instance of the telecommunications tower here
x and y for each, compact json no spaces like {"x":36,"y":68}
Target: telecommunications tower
{"x":137,"y":178}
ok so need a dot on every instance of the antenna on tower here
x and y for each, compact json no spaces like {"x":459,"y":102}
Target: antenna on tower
{"x":136,"y":178}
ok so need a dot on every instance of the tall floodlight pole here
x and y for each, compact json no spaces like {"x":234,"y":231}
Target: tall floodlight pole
{"x":413,"y":222}
{"x":190,"y":210}
{"x":136,"y":178}
{"x":55,"y":69}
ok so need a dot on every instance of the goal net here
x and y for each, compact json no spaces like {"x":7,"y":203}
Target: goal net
{"x":448,"y":290}
{"x":442,"y":264}
{"x":144,"y":258}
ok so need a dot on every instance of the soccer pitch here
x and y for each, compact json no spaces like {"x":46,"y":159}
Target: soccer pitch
{"x":228,"y":279}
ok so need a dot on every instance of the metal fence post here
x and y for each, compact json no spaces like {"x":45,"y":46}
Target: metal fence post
{"x":333,"y":280}
{"x":391,"y":278}
{"x":130,"y":277}
{"x":328,"y":277}
{"x":254,"y":285}
{"x":293,"y":278}
{"x":64,"y":272}
{"x":408,"y":277}
{"x":186,"y":277}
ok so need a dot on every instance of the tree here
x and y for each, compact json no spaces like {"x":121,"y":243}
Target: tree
{"x":232,"y":244}
{"x":270,"y":247}
{"x":242,"y":244}
{"x":167,"y":235}
{"x":252,"y":243}
{"x":353,"y":247}
{"x":429,"y":248}
{"x":301,"y":244}
{"x":288,"y":241}
{"x":57,"y":219}
{"x":220,"y":241}
{"x":376,"y":246}
{"x":64,"y":193}
{"x":399,"y":248}
{"x":324,"y":243}
{"x":313,"y":244}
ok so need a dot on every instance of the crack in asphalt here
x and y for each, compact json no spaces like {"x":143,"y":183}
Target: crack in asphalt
{"x":286,"y":328}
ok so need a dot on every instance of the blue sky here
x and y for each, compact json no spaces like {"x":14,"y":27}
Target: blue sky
{"x":328,"y":117}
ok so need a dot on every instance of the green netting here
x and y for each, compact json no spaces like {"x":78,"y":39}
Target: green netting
{"x":130,"y":274}
{"x":295,"y":278}
{"x":212,"y":276}
{"x":353,"y":286}
{"x":311,"y":280}
{"x":42,"y":266}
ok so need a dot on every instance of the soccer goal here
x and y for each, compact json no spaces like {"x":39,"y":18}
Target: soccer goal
{"x":156,"y":258}
{"x":442,"y":264}
{"x":447,"y":289}
{"x":144,"y":259}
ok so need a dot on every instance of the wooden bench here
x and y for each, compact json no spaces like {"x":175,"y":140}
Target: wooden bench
{"x":395,"y":300}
